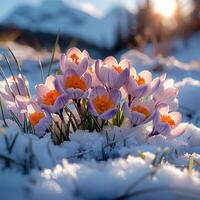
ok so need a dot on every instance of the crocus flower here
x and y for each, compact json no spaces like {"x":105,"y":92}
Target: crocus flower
{"x":95,"y":80}
{"x":15,"y":86}
{"x":140,"y":111}
{"x":111,"y":73}
{"x":39,"y":119}
{"x":103,"y":103}
{"x":166,"y":123}
{"x":16,"y":111}
{"x":48,"y":97}
{"x":18,"y":107}
{"x":166,"y":94}
{"x":76,"y":60}
{"x":21,"y":102}
{"x":142,"y":84}
{"x":72,"y":84}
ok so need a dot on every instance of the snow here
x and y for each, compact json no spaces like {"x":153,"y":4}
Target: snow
{"x":63,"y":175}
{"x":54,"y":16}
{"x":187,"y":50}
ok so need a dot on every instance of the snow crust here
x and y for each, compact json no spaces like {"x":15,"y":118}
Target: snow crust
{"x":80,"y":169}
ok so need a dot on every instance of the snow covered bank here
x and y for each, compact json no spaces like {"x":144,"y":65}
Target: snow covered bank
{"x":138,"y":171}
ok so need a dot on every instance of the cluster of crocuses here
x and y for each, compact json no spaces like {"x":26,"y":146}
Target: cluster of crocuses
{"x":91,"y":94}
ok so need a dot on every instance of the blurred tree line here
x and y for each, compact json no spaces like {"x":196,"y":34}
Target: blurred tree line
{"x":153,"y":27}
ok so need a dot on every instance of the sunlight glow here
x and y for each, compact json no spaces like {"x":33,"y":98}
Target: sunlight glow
{"x":165,"y":7}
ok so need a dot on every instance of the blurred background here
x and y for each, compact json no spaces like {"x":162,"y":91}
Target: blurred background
{"x":103,"y":27}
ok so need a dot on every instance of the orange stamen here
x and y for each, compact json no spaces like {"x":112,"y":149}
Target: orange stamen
{"x":142,"y":110}
{"x":75,"y":82}
{"x":14,"y":78}
{"x":168,"y":120}
{"x":74,"y":58}
{"x":50,"y":97}
{"x":35,"y":117}
{"x":91,"y":69}
{"x":140,"y":80}
{"x":118,"y":68}
{"x":102,"y":104}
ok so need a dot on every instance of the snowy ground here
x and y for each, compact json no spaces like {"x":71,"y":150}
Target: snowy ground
{"x":116,"y":164}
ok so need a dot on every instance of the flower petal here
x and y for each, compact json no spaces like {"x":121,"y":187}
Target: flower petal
{"x":92,"y":109}
{"x":98,"y":91}
{"x":179,"y":130}
{"x":121,"y":79}
{"x":176,"y":116}
{"x":146,"y":75}
{"x":124,"y":64}
{"x":63,"y":61}
{"x":40,"y":91}
{"x":137,"y":118}
{"x":115,"y":96}
{"x":109,"y":114}
{"x":82,"y":67}
{"x":110,"y":60}
{"x":50,"y":82}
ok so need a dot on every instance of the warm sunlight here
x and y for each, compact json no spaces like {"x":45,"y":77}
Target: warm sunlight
{"x":165,"y":7}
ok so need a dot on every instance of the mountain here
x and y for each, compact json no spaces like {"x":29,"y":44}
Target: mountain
{"x":54,"y":16}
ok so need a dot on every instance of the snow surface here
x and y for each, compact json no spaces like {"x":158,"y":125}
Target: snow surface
{"x":79,"y":169}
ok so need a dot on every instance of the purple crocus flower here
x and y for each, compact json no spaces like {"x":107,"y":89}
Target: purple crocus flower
{"x":111,"y":73}
{"x":72,"y":84}
{"x":39,"y":118}
{"x":48,"y":97}
{"x":140,"y":111}
{"x":18,"y":107}
{"x":16,"y":111}
{"x":21,"y":102}
{"x":76,"y":60}
{"x":15,"y":86}
{"x":166,"y":94}
{"x":141,"y":84}
{"x":166,"y":123}
{"x":103,"y":103}
{"x":95,"y":80}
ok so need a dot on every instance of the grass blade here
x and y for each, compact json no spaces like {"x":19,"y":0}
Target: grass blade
{"x":2,"y":113}
{"x":190,"y":164}
{"x":41,"y":69}
{"x":20,"y":70}
{"x":5,"y":79}
{"x":12,"y":74}
{"x":13,"y":143}
{"x":16,"y":119}
{"x":53,"y":53}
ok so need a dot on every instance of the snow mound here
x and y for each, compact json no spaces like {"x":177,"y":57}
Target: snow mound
{"x":158,"y":65}
{"x":136,"y":173}
{"x":102,"y":180}
{"x":189,"y":91}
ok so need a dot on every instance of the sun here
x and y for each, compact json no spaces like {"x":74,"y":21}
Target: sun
{"x":165,"y":7}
